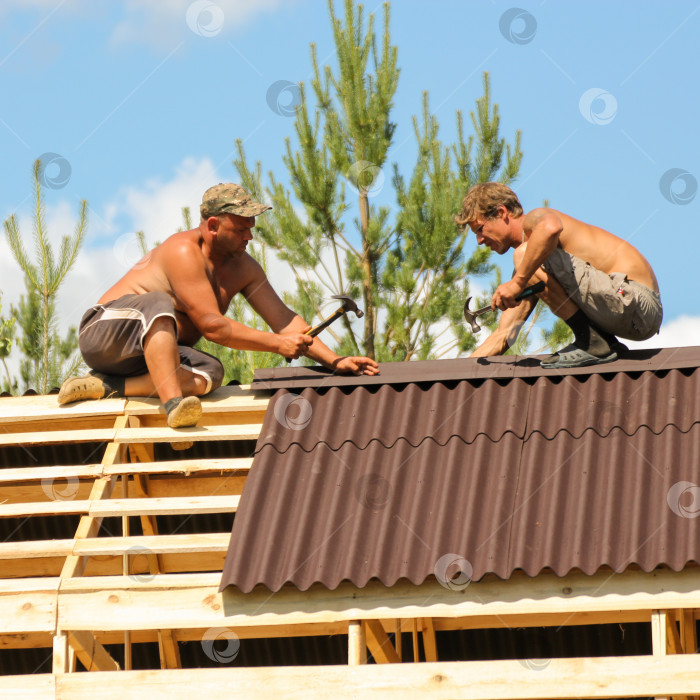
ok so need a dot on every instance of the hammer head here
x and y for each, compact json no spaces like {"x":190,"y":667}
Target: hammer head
{"x":470,"y":317}
{"x":349,"y":305}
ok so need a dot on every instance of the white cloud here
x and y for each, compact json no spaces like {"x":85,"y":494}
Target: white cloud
{"x":164,"y":22}
{"x":681,"y":332}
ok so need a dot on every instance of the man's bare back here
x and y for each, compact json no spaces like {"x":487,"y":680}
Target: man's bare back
{"x":595,"y":245}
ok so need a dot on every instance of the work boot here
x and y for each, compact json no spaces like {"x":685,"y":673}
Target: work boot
{"x":183,"y":413}
{"x":90,"y":386}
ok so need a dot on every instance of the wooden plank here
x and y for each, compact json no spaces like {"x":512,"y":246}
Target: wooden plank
{"x":184,"y":600}
{"x":22,"y":510}
{"x":38,"y":686}
{"x":379,"y":644}
{"x":197,"y":434}
{"x":225,"y":399}
{"x":29,"y":474}
{"x":35,"y":549}
{"x":158,"y":544}
{"x":688,"y":631}
{"x":183,"y":466}
{"x":91,"y":653}
{"x":28,"y":611}
{"x":57,"y":436}
{"x":115,"y":507}
{"x":22,"y":409}
{"x":602,"y":677}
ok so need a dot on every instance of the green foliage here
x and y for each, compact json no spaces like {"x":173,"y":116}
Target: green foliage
{"x":7,"y":334}
{"x":408,"y":265}
{"x":46,"y":362}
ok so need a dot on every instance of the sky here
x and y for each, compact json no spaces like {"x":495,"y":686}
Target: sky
{"x":135,"y":106}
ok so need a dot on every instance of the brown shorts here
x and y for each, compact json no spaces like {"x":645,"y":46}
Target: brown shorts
{"x":111,"y":338}
{"x":612,"y":302}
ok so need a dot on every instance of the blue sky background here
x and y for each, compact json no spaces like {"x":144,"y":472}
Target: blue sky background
{"x":144,"y":100}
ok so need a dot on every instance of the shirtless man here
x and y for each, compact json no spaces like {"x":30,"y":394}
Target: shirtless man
{"x":138,"y":338}
{"x":599,"y":284}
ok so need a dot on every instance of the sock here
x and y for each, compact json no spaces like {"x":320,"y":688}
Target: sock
{"x":171,"y":404}
{"x":114,"y":384}
{"x":588,"y":337}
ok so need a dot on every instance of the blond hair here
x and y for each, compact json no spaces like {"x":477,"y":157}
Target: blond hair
{"x":482,"y":201}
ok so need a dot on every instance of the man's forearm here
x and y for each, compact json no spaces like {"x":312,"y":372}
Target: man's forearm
{"x":231,"y":334}
{"x":318,"y":350}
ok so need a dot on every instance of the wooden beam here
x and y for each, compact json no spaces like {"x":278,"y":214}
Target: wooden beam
{"x":429,"y":641}
{"x":357,"y":645}
{"x":91,"y":653}
{"x":658,"y":632}
{"x":379,"y":644}
{"x":688,"y":631}
{"x":102,"y":489}
{"x":601,"y":677}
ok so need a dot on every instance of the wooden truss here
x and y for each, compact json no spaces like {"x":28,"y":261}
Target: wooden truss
{"x":77,"y":596}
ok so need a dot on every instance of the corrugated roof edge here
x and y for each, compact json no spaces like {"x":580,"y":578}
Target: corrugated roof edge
{"x":487,"y":575}
{"x":498,"y":367}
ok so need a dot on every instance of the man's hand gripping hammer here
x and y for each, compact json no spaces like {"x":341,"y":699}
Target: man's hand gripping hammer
{"x":471,"y":316}
{"x":347,"y":304}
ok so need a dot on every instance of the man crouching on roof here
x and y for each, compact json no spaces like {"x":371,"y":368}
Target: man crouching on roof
{"x":599,"y":284}
{"x":138,"y":338}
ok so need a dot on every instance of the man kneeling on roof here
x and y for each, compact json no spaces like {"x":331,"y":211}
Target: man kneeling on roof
{"x":138,"y":338}
{"x":599,"y":284}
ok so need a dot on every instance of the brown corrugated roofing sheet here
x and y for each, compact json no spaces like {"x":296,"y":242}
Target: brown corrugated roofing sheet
{"x":572,"y":471}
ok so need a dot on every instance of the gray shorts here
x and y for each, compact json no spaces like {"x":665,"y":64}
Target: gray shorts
{"x":612,"y":302}
{"x":111,"y":338}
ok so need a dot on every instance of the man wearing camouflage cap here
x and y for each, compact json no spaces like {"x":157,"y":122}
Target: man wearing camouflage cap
{"x":138,"y":339}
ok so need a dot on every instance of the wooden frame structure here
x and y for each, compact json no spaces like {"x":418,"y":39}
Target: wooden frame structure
{"x":79,"y":595}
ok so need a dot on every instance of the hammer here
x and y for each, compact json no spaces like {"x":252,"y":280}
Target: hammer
{"x":347,"y":304}
{"x":470,"y":316}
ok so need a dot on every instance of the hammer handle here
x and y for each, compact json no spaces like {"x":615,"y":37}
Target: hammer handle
{"x":527,"y":292}
{"x":313,"y":332}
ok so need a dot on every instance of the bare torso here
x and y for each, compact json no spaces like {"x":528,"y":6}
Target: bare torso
{"x":605,"y":251}
{"x":156,"y":270}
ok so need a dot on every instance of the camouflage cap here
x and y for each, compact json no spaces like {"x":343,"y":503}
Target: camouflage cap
{"x":229,"y":198}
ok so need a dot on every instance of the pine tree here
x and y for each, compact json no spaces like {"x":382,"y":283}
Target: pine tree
{"x":48,"y":358}
{"x":7,"y":334}
{"x":408,"y":264}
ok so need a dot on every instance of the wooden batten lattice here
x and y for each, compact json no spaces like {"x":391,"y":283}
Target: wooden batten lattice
{"x":79,"y":595}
